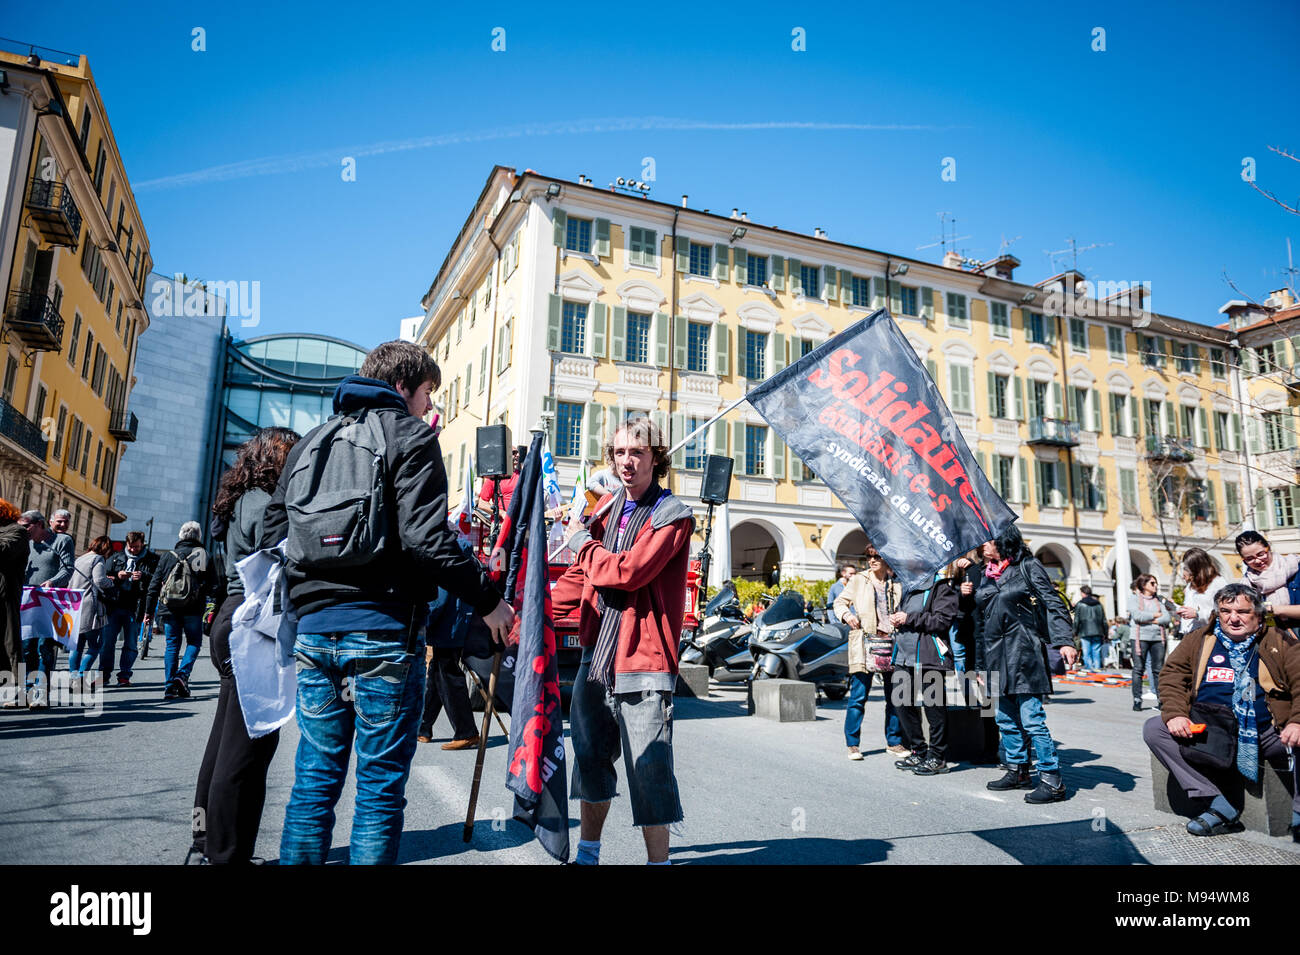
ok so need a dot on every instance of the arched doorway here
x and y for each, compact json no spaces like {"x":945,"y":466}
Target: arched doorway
{"x":852,"y":550}
{"x":1055,"y":561}
{"x":754,"y":552}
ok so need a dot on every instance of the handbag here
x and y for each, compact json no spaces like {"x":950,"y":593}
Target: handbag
{"x":880,"y":650}
{"x":1216,"y":748}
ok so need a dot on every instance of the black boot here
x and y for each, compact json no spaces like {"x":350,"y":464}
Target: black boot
{"x":1017,"y":777}
{"x":1050,"y":789}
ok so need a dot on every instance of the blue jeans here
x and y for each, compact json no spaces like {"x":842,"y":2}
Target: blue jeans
{"x":173,"y":628}
{"x":39,"y":654}
{"x":124,"y":622}
{"x":1024,"y":711}
{"x":859,"y":688}
{"x":82,"y":659}
{"x":1094,"y":649}
{"x":362,"y":685}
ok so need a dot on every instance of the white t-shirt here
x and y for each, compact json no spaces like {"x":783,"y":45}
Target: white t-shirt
{"x":1203,"y":604}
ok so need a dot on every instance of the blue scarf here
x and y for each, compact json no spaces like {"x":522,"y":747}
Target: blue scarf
{"x":1243,"y":701}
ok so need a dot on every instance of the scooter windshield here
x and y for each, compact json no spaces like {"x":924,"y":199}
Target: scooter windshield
{"x":788,"y":606}
{"x":727,"y":595}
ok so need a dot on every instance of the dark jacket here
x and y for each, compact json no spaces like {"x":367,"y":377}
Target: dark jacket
{"x":1279,"y":673}
{"x":13,"y":569}
{"x":421,"y":554}
{"x":449,"y":619}
{"x":207,"y":581}
{"x":243,"y":535}
{"x":1010,"y":637}
{"x":929,"y":618}
{"x":1090,"y":619}
{"x":130,"y":594}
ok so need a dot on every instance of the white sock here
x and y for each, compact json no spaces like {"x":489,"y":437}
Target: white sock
{"x":588,"y":853}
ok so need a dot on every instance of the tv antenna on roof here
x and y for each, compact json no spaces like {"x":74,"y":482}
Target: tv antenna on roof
{"x":1007,"y":243}
{"x":943,"y":239}
{"x":1074,"y":251}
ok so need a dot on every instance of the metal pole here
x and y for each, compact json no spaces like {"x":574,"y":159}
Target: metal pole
{"x":724,"y":411}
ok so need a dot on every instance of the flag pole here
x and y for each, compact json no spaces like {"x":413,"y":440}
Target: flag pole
{"x":488,"y":709}
{"x":734,"y":404}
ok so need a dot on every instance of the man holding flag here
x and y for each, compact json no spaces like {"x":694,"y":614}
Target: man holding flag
{"x":629,"y":580}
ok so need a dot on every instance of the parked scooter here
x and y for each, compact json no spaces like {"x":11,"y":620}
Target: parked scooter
{"x":722,"y":642}
{"x":787,"y":644}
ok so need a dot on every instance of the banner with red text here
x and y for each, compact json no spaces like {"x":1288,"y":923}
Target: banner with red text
{"x":862,"y":412}
{"x":51,"y":612}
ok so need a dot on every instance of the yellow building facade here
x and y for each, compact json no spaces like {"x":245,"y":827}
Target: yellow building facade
{"x":566,"y":306}
{"x":75,"y":275}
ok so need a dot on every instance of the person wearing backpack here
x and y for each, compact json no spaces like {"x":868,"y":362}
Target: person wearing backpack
{"x":361,"y":506}
{"x":180,"y":589}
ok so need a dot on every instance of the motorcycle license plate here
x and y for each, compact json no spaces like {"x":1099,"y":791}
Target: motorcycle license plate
{"x":572,"y":641}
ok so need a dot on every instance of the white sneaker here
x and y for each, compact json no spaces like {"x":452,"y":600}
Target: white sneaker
{"x":854,"y":754}
{"x":36,"y":699}
{"x":1148,"y":695}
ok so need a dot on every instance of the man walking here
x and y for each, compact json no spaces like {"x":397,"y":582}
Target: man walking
{"x":629,"y":578}
{"x":132,"y":571}
{"x":360,"y":587}
{"x":1090,"y":628}
{"x":49,"y":564}
{"x":180,"y":588}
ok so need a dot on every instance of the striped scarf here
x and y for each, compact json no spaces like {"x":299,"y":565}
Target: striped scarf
{"x":1243,"y":705}
{"x":610,"y":602}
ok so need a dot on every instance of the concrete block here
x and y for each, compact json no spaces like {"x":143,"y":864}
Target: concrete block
{"x":1265,"y":805}
{"x":786,"y":701}
{"x":692,"y":680}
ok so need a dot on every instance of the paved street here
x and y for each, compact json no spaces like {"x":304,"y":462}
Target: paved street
{"x":117,"y":788}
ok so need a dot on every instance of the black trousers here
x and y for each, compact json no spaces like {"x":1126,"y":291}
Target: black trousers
{"x":904,"y":690}
{"x":1148,"y":655}
{"x":446,"y":688}
{"x":231,"y":789}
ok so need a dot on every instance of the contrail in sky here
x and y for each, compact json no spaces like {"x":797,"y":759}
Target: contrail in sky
{"x":274,"y":165}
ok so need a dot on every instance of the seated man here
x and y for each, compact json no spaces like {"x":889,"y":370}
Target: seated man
{"x":1240,"y":663}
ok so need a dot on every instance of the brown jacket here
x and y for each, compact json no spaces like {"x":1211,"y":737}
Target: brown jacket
{"x":859,"y":593}
{"x":1279,"y":674}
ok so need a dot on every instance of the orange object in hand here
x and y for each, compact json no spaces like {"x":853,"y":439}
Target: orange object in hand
{"x":1196,"y":728}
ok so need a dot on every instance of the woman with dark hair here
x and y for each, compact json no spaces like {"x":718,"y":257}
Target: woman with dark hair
{"x":922,"y":658}
{"x":1201,"y":581}
{"x":1018,"y":614}
{"x":1271,"y":574}
{"x":1148,"y":616}
{"x":232,"y":779}
{"x":14,"y":550}
{"x":89,"y":577}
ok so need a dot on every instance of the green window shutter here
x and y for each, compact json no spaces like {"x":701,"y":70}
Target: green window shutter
{"x":1135,"y":424}
{"x":1202,"y":427}
{"x":721,"y":354}
{"x":993,"y":385}
{"x":680,"y":333}
{"x":1076,"y":482}
{"x":1169,"y":353}
{"x":599,"y":322}
{"x":548,"y":406}
{"x":778,"y":273}
{"x":982,"y":458}
{"x":828,"y":279}
{"x":933,"y":369}
{"x":1255,"y":435}
{"x":501,"y":350}
{"x":1101,"y":486}
{"x":1024,"y":481}
{"x":1237,"y":438}
{"x":778,"y":352}
{"x":602,"y":238}
{"x":1262,"y":515}
{"x":1231,"y":502}
{"x":1116,"y":426}
{"x":619,"y":343}
{"x":877,"y":293}
{"x":1056,"y":400}
{"x":846,"y":287}
{"x":677,"y":424}
{"x":1044,"y":493}
{"x":683,"y":253}
{"x":895,"y":299}
{"x":1052,"y":324}
{"x":721,"y":261}
{"x":1024,"y":321}
{"x":595,"y":436}
{"x":738,"y":444}
{"x":740,"y":267}
{"x":561,"y":222}
{"x":1020,"y":410}
{"x":1096,"y":410}
{"x":719,"y":429}
{"x":1059,"y":492}
{"x":778,"y":457}
{"x":661,"y":339}
{"x":796,"y":280}
{"x":741,"y":350}
{"x":1209,"y":499}
{"x":1146,"y":416}
{"x":553,"y":323}
{"x":1070,"y":406}
{"x":927,"y":303}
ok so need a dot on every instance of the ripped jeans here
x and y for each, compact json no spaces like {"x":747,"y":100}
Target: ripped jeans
{"x":365,"y":686}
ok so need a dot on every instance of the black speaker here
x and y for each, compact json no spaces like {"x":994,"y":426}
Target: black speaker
{"x":716,"y":487}
{"x":493,"y":451}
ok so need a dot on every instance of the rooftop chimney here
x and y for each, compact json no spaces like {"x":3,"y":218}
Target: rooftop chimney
{"x":744,"y":217}
{"x":684,"y":200}
{"x":1280,"y":298}
{"x":951,"y":260}
{"x":735,"y":213}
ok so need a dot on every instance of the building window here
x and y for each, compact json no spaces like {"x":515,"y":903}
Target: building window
{"x":74,"y":442}
{"x":482,"y":369}
{"x":85,"y":453}
{"x":956,"y":310}
{"x":755,"y":450}
{"x":1078,"y":334}
{"x":38,"y":412}
{"x":1187,"y":358}
{"x":907,"y":300}
{"x":87,"y":355}
{"x":1218,"y":366}
{"x":756,"y":356}
{"x":85,"y":129}
{"x":101,"y":161}
{"x":73,"y":341}
{"x":701,"y":260}
{"x":638,"y":337}
{"x":641,"y":246}
{"x":58,"y":439}
{"x":1115,"y":342}
{"x":1222,"y":431}
{"x":1275,"y":430}
{"x":1080,"y":409}
{"x":577,"y":235}
{"x":1154,"y":409}
{"x":805,"y":346}
{"x":1232,"y":501}
{"x":1050,"y":492}
{"x":97,"y":378}
{"x":1283,"y":509}
{"x":573,"y":329}
{"x":697,"y":347}
{"x":1152,"y":354}
{"x":810,"y":280}
{"x":11,"y":376}
{"x":756,"y":269}
{"x":695,"y":452}
{"x":1036,"y":328}
{"x":568,"y":429}
{"x":1187,"y":414}
{"x":861,"y":290}
{"x":1038,"y":399}
{"x":959,"y":391}
{"x":1119,"y":419}
{"x":1266,"y":358}
{"x":1000,"y":399}
{"x":1004,"y":476}
{"x":1000,"y":319}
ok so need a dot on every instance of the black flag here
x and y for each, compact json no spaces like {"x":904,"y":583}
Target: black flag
{"x":861,"y":411}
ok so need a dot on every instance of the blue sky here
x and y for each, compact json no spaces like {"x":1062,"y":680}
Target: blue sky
{"x":235,"y":152}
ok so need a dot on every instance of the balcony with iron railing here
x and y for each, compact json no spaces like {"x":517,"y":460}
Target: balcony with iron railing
{"x":123,"y":425}
{"x":31,"y":316}
{"x":1170,"y":448}
{"x":21,"y":430}
{"x":53,"y":211}
{"x":1055,"y":432}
